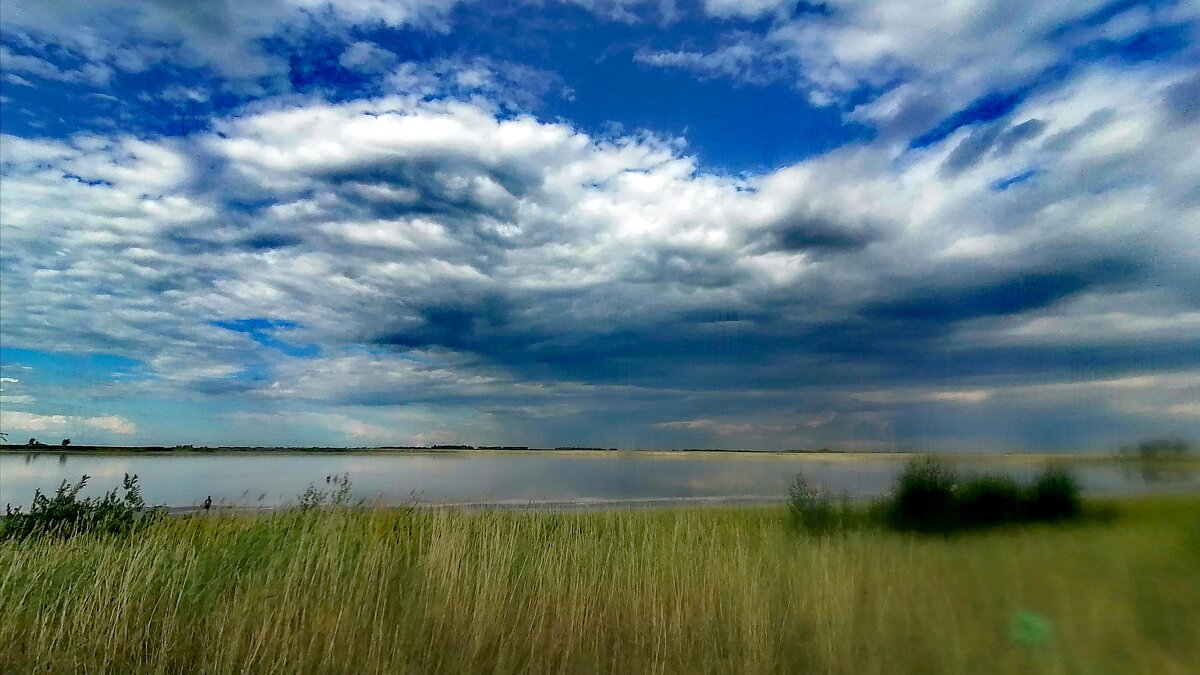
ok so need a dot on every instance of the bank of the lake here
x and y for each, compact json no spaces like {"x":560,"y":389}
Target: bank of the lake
{"x":47,"y":449}
{"x":277,"y":478}
{"x":668,"y":591}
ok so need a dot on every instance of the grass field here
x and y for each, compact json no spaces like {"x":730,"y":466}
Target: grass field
{"x":671,"y":591}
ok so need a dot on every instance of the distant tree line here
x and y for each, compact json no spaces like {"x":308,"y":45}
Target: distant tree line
{"x":35,"y":443}
{"x":1158,"y":448}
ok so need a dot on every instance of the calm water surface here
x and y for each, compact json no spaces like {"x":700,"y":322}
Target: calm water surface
{"x":271,"y":479}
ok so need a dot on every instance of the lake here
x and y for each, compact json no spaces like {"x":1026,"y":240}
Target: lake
{"x":279,"y":477}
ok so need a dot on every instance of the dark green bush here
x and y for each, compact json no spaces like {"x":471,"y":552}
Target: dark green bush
{"x":931,"y":498}
{"x":1054,"y":495}
{"x":66,"y":515}
{"x":987,"y":501}
{"x":924,"y":498}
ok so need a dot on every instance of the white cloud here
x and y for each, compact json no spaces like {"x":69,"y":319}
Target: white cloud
{"x":367,"y":57}
{"x":746,"y":9}
{"x":17,"y":80}
{"x":114,"y":423}
{"x":484,"y":82}
{"x":1185,"y":410}
{"x":566,"y":212}
{"x":743,"y":60}
{"x":894,"y":396}
{"x":95,"y":74}
{"x":32,"y":422}
{"x":351,"y":428}
{"x":436,"y":249}
{"x":91,"y":73}
{"x":224,"y":35}
{"x":181,"y":93}
{"x":727,"y":429}
{"x":435,"y":437}
{"x":914,"y":61}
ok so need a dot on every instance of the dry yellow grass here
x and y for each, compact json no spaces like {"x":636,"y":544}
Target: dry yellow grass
{"x":677,"y":591}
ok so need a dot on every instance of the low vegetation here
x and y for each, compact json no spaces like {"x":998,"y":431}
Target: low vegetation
{"x":66,"y":514}
{"x":666,"y":591}
{"x":930,"y":497}
{"x":331,"y":588}
{"x":816,"y":510}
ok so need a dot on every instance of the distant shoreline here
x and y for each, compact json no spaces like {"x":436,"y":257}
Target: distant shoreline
{"x":595,"y":504}
{"x":403,"y":450}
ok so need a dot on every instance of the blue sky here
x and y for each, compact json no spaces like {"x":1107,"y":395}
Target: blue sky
{"x":754,"y":224}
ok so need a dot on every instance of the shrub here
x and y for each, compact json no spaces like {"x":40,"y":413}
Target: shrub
{"x":924,"y":498}
{"x":986,"y":501}
{"x":813,"y":509}
{"x":931,"y":498}
{"x":66,"y":515}
{"x":1054,"y":495}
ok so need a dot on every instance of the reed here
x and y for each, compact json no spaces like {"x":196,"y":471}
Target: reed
{"x":667,"y":591}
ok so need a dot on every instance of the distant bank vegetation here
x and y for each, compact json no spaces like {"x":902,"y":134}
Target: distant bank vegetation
{"x":930,"y":497}
{"x":1152,"y":449}
{"x":1158,"y":448}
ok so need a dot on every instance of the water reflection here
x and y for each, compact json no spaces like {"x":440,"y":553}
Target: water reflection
{"x":279,"y":478}
{"x":1155,"y":472}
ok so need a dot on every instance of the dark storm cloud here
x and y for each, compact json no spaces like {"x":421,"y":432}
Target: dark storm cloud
{"x":1014,"y":295}
{"x":268,"y":241}
{"x":970,"y":150}
{"x":480,"y":325}
{"x":698,"y":268}
{"x":802,"y":234}
{"x":1019,"y":133}
{"x":801,"y":231}
{"x":441,"y":185}
{"x":1183,"y":100}
{"x":982,"y":140}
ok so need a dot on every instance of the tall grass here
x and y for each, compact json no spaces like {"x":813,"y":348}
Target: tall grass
{"x":674,"y":591}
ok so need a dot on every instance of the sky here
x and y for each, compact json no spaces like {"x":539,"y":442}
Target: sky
{"x":754,"y":224}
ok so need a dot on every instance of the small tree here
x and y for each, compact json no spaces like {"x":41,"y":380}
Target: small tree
{"x":33,"y":441}
{"x":66,"y":442}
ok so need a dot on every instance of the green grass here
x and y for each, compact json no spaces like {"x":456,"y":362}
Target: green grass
{"x":673,"y":591}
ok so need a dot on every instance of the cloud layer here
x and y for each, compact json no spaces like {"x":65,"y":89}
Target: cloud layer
{"x":426,"y":261}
